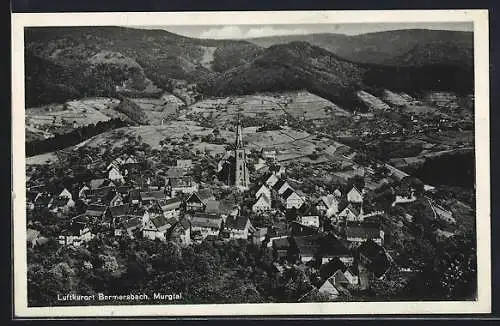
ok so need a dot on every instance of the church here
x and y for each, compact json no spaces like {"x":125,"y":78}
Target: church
{"x":232,"y":169}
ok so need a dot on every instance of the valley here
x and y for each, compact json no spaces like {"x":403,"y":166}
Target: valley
{"x":258,"y":170}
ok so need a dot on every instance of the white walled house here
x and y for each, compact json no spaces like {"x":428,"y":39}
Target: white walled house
{"x":262,"y":204}
{"x":328,"y":205}
{"x":65,"y":193}
{"x":115,"y":175}
{"x":272,"y":180}
{"x":263,"y":190}
{"x":292,"y":199}
{"x":203,"y":225}
{"x":311,"y":221}
{"x":61,"y":204}
{"x":155,"y":228}
{"x":350,"y":213}
{"x":76,"y":235}
{"x":354,"y":196}
{"x":238,"y":227}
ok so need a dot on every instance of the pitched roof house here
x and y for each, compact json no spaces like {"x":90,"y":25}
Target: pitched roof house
{"x":115,"y":213}
{"x":171,"y":207}
{"x":329,"y":289}
{"x":328,"y":205}
{"x":262,"y":204}
{"x":65,"y":193}
{"x":197,"y":201}
{"x":292,"y":199}
{"x":61,"y":204}
{"x":76,"y":235}
{"x":272,"y":180}
{"x":351,"y":212}
{"x":223,"y":208}
{"x":156,"y":228}
{"x":151,"y":197}
{"x":354,"y":195}
{"x":96,"y":210}
{"x":263,"y":190}
{"x":99,"y":183}
{"x":238,"y":227}
{"x":203,"y":225}
{"x":114,"y":174}
{"x":128,"y":226}
{"x":181,"y":232}
{"x":359,"y":232}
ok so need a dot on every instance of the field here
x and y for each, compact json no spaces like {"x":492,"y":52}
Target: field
{"x":371,"y":101}
{"x":159,"y":110}
{"x":268,"y":106}
{"x":51,"y":118}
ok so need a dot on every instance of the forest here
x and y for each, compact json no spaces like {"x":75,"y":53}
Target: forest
{"x":61,"y":141}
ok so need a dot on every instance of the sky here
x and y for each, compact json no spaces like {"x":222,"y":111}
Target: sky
{"x":251,"y":31}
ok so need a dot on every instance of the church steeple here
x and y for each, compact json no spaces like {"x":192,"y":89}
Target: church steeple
{"x":239,"y":135}
{"x":241,"y":171}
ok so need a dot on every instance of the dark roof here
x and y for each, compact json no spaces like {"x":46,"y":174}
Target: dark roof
{"x":287,"y":193}
{"x":281,"y":243}
{"x":133,"y":222}
{"x":43,"y":199}
{"x":307,"y":244}
{"x":159,"y":221}
{"x":206,"y":220}
{"x":355,"y":208}
{"x":170,"y":203}
{"x":123,"y":189}
{"x":331,"y":246}
{"x":328,"y":269}
{"x":279,"y":184}
{"x":154,"y":195}
{"x":105,"y":193}
{"x":180,"y":182}
{"x":119,"y":210}
{"x":76,"y":228}
{"x":202,"y":195}
{"x":237,"y":223}
{"x":363,"y":230}
{"x":60,"y":201}
{"x":95,"y":210}
{"x":307,"y":210}
{"x":264,"y":196}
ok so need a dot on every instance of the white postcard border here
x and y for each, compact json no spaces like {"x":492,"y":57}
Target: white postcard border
{"x":481,"y":53}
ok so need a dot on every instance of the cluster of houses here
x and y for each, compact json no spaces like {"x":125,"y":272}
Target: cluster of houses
{"x":173,"y":209}
{"x":277,"y":187}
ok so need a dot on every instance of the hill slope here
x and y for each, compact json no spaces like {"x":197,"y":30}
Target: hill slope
{"x":131,"y":53}
{"x":386,"y":47}
{"x":299,"y":65}
{"x":72,"y":62}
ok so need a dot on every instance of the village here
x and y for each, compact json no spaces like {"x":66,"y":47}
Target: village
{"x":341,"y":235}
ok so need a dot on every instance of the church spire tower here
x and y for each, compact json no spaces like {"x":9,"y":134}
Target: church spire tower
{"x":242,"y":180}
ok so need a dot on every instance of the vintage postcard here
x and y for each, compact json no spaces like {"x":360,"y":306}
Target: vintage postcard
{"x":251,"y":163}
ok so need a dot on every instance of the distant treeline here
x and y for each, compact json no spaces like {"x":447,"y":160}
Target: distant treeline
{"x":74,"y":137}
{"x":456,"y":169}
{"x":47,"y":82}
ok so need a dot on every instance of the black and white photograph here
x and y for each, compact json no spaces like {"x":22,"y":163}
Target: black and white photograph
{"x":185,"y":163}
